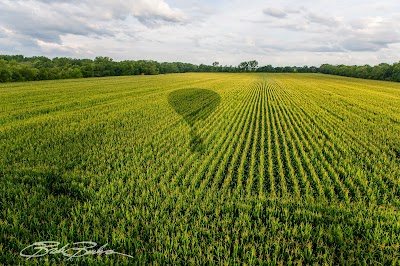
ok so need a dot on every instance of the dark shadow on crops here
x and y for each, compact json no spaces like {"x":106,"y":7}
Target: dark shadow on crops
{"x":194,"y":105}
{"x":56,"y":182}
{"x":58,"y":165}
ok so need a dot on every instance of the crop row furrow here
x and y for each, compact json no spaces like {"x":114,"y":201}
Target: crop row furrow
{"x":313,"y":154}
{"x":198,"y":174}
{"x":360,"y":185}
{"x":231,"y":178}
{"x":339,"y":158}
{"x":343,"y":185}
{"x":284,"y":138}
{"x":261,"y":148}
{"x":279,"y":176}
{"x":253,"y":174}
{"x":209,"y":177}
{"x":296,"y":169}
{"x":189,"y":163}
{"x":308,"y":155}
{"x":243,"y":171}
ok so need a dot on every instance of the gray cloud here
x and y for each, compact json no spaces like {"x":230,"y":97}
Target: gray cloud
{"x":274,"y":12}
{"x":49,"y":20}
{"x":328,"y":33}
{"x":323,"y":20}
{"x":203,"y":31}
{"x":51,"y":27}
{"x":370,"y":34}
{"x":361,"y":46}
{"x":3,"y":33}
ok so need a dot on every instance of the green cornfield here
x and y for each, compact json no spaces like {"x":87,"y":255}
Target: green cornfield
{"x":202,"y":169}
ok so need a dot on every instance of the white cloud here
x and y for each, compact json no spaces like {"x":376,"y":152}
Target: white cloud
{"x":48,"y":20}
{"x":281,"y":33}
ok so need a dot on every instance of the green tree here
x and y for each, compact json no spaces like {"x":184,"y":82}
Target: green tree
{"x":5,"y":72}
{"x":252,"y":65}
{"x":243,"y":66}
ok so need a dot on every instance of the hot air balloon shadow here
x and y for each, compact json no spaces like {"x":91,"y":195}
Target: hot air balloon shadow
{"x":194,"y":105}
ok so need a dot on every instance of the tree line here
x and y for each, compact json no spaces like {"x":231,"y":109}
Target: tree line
{"x":20,"y":68}
{"x":380,"y":72}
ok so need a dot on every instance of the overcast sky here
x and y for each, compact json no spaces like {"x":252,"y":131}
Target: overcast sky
{"x":203,"y":31}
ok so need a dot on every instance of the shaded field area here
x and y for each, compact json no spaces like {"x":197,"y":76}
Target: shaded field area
{"x":273,"y":169}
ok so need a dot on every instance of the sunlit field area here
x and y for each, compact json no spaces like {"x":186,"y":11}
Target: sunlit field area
{"x":202,"y":169}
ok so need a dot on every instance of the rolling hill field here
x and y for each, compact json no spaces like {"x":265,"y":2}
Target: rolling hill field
{"x":202,"y":169}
